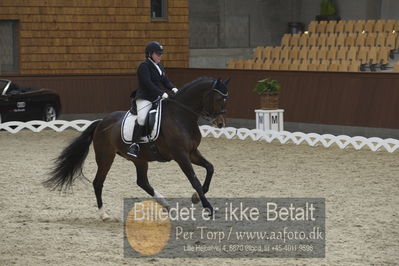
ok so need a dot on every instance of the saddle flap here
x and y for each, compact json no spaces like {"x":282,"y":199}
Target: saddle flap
{"x":152,"y":125}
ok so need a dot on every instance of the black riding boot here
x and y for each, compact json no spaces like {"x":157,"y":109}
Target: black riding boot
{"x":135,"y":148}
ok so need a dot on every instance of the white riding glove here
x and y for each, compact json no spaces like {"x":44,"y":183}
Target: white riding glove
{"x":175,"y":90}
{"x":165,"y":95}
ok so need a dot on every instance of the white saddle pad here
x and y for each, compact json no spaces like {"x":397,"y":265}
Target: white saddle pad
{"x":128,"y":125}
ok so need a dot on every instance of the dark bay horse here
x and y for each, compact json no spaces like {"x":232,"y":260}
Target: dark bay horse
{"x":178,"y":140}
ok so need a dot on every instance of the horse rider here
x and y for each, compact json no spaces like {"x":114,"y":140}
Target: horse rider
{"x":152,"y":81}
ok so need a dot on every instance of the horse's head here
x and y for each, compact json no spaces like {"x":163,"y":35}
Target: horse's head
{"x":214,"y":101}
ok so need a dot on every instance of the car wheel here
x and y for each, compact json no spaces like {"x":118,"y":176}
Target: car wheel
{"x":49,"y":113}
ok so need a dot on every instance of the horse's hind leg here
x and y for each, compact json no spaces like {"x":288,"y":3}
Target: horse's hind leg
{"x":104,"y":161}
{"x":142,"y":181}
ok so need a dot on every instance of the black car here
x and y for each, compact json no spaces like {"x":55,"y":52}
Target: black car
{"x":24,"y":104}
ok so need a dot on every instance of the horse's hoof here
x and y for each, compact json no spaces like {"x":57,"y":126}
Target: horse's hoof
{"x":104,"y":216}
{"x":210,"y":212}
{"x":195,"y":198}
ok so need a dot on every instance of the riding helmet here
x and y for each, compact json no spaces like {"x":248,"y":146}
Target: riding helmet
{"x":153,"y":47}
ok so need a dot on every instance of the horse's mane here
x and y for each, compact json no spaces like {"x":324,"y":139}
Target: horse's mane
{"x":192,"y":83}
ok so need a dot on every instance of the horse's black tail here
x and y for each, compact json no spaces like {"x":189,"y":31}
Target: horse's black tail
{"x":68,"y":166}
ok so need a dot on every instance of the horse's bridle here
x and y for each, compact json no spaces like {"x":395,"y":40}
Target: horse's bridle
{"x":210,"y":103}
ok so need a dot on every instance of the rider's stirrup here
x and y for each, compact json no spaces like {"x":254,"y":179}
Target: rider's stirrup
{"x":134,"y":150}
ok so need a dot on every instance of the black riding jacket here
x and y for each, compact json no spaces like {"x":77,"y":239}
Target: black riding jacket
{"x":151,"y":83}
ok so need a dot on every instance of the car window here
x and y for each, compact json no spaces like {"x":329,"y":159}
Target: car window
{"x":3,"y":84}
{"x":13,"y":89}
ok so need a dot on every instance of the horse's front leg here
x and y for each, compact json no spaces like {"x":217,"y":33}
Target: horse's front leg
{"x":198,"y":159}
{"x":185,"y":164}
{"x":142,"y":181}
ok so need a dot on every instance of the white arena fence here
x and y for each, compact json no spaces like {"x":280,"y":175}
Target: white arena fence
{"x":312,"y":139}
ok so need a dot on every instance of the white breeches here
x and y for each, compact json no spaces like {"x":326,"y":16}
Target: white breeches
{"x":143,"y":107}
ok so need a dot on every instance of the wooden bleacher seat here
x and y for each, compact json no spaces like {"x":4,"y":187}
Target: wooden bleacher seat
{"x":231,"y":63}
{"x":267,"y":64}
{"x":321,"y":26}
{"x":285,"y":41}
{"x":257,"y":64}
{"x":313,"y":65}
{"x":330,"y":28}
{"x":340,"y":39}
{"x":396,"y":26}
{"x":354,"y":66}
{"x":360,"y":40}
{"x":371,"y":39}
{"x":239,"y":64}
{"x":372,"y":58}
{"x":284,"y":65}
{"x":294,"y":40}
{"x":383,"y":56}
{"x":323,"y":66}
{"x":303,"y":65}
{"x":303,"y":40}
{"x":352,"y":53}
{"x":363,"y":55}
{"x":248,"y":64}
{"x":313,"y":53}
{"x":294,"y":65}
{"x":350,"y":39}
{"x":348,"y":28}
{"x":339,"y":28}
{"x":285,"y":53}
{"x":343,"y":66}
{"x":275,"y":54}
{"x":332,"y":53}
{"x":369,"y":26}
{"x":312,"y":26}
{"x":294,"y":53}
{"x":391,"y":40}
{"x":381,"y":39}
{"x":359,"y":26}
{"x":331,"y":40}
{"x":342,"y":53}
{"x":313,"y":39}
{"x":303,"y":53}
{"x":389,"y":25}
{"x":322,"y":53}
{"x":275,"y":65}
{"x":333,"y":66}
{"x":379,"y":26}
{"x":321,"y":41}
{"x":258,"y":53}
{"x":267,"y":52}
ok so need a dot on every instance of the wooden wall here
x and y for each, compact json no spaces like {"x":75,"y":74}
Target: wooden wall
{"x":333,"y":98}
{"x":362,"y":99}
{"x":94,"y":36}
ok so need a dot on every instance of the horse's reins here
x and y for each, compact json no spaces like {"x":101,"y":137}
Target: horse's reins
{"x":204,"y":116}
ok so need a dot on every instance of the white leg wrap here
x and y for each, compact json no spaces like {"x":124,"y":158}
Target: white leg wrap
{"x":160,"y":199}
{"x":103,"y":214}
